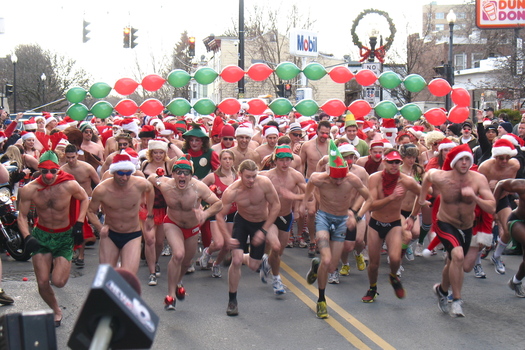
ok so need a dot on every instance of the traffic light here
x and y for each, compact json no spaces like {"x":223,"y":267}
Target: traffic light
{"x":191,"y":46}
{"x":287,"y":90}
{"x":280,"y":90}
{"x":9,"y":89}
{"x":133,"y":37}
{"x":127,"y":32}
{"x":85,"y":31}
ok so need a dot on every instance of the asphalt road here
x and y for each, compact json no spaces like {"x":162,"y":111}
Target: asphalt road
{"x":493,"y":314}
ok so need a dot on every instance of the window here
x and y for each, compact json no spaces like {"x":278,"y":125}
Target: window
{"x":459,"y":61}
{"x":440,"y":15}
{"x":440,"y":27}
{"x":476,"y":57}
{"x":461,"y":15}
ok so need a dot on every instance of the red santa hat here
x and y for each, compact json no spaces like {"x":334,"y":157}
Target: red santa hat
{"x":70,"y":121}
{"x":62,"y":143}
{"x":122,"y":162}
{"x":359,"y":119}
{"x":63,"y":125}
{"x":218,"y":124}
{"x":49,"y":119}
{"x":270,"y":130}
{"x":503,"y":147}
{"x":446,"y":144}
{"x":130,"y":125}
{"x":417,"y":131}
{"x":30,"y":124}
{"x":133,"y":155}
{"x":514,"y":139}
{"x":158,"y":144}
{"x":244,"y":129}
{"x":388,"y":127}
{"x":456,"y":154}
{"x":27,"y":135}
{"x":2,"y":136}
{"x":228,"y":131}
{"x":368,"y":126}
{"x":39,"y":117}
{"x":264,"y":119}
{"x":147,"y":131}
{"x":386,"y":143}
{"x":377,"y":143}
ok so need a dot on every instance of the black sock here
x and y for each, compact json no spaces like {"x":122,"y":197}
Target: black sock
{"x":233,"y":296}
{"x":443,"y":292}
{"x":321,"y":295}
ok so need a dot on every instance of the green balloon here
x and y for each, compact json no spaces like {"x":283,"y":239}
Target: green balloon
{"x":102,"y":109}
{"x":411,"y":112}
{"x":100,"y":90}
{"x":386,"y":109}
{"x":414,"y":83}
{"x":77,"y":111}
{"x":281,"y":106}
{"x":178,"y":78}
{"x":287,"y":70}
{"x":179,"y":106}
{"x":76,"y":94}
{"x":389,"y":80}
{"x":205,"y":75}
{"x":307,"y":107}
{"x":314,"y":71}
{"x":204,"y":106}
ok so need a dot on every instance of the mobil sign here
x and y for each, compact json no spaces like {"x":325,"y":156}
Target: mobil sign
{"x":303,"y":43}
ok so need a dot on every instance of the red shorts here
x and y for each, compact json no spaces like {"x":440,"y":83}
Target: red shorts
{"x":186,"y":232}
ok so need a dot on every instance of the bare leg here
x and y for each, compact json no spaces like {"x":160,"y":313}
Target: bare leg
{"x":323,"y":243}
{"x":42,"y":268}
{"x":130,"y":256}
{"x":374,"y":255}
{"x":149,"y":248}
{"x":456,"y":272}
{"x":234,"y":272}
{"x":176,"y":242}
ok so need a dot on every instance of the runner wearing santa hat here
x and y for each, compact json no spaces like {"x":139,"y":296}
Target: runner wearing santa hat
{"x":461,"y":190}
{"x":372,"y":162}
{"x":501,"y":167}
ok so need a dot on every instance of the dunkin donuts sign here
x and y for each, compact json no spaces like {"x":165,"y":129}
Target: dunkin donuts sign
{"x":493,"y":14}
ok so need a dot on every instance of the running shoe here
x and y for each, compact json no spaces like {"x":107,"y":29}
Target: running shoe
{"x":345,"y":270}
{"x":370,"y":296}
{"x":166,"y":251}
{"x":333,"y":278}
{"x":442,"y":298}
{"x":360,"y":262}
{"x":152,"y":280}
{"x":80,"y":263}
{"x":169,"y":303}
{"x":478,"y":271}
{"x":265,"y":269}
{"x":409,"y":253}
{"x":191,"y":269}
{"x":456,"y":309}
{"x":180,"y":292}
{"x":518,"y":289}
{"x":302,"y":242}
{"x":157,"y":269}
{"x":322,"y":311}
{"x":311,"y":276}
{"x":278,"y":287}
{"x":204,"y":259}
{"x":400,"y":270}
{"x":290,"y":243}
{"x":311,"y":250}
{"x":232,"y":309}
{"x":398,"y":287}
{"x":419,"y":250}
{"x":216,"y":271}
{"x":499,"y":266}
{"x":4,"y":298}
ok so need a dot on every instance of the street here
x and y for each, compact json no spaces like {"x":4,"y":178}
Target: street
{"x":493,"y":314}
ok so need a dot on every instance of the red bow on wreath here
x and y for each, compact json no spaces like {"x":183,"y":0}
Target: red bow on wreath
{"x":365,"y":52}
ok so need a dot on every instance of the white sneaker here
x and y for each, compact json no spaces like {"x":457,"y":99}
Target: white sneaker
{"x":216,"y":271}
{"x":152,"y":280}
{"x":419,"y":250}
{"x":478,"y":271}
{"x":265,"y":269}
{"x":278,"y":287}
{"x":456,"y":309}
{"x":518,"y":289}
{"x":333,"y":278}
{"x":409,"y":254}
{"x":204,"y":259}
{"x":442,"y":299}
{"x":400,"y":270}
{"x":499,"y":266}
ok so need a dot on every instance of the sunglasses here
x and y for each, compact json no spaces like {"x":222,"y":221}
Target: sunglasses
{"x":227,"y":138}
{"x":46,"y":171}
{"x":296,"y":135}
{"x":88,"y":131}
{"x":394,"y":162}
{"x":184,"y":172}
{"x":124,"y":173}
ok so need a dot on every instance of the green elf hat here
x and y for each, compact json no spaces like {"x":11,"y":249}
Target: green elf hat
{"x":195,"y":131}
{"x":337,"y":167}
{"x":181,"y":126}
{"x":49,"y":160}
{"x":183,"y":163}
{"x":283,"y":151}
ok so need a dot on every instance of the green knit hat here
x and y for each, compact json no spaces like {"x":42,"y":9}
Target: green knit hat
{"x":283,"y":151}
{"x":183,"y":163}
{"x":336,"y":163}
{"x":49,"y":160}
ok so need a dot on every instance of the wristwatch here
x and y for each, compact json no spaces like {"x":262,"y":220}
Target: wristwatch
{"x":413,"y":217}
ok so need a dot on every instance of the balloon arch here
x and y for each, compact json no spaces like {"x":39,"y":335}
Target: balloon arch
{"x":280,"y":106}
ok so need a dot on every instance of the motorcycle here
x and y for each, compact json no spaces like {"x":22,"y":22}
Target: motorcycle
{"x":11,"y":238}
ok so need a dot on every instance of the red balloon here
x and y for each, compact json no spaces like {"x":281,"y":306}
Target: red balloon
{"x":341,"y":74}
{"x":126,"y":107}
{"x":126,"y":86}
{"x":152,"y":82}
{"x":259,"y":71}
{"x":232,"y":74}
{"x":360,"y":108}
{"x":439,"y":87}
{"x":257,"y":106}
{"x":229,"y":106}
{"x":458,"y":114}
{"x":461,"y":97}
{"x":365,"y":77}
{"x":435,"y":116}
{"x":151,"y":107}
{"x":334,"y":107}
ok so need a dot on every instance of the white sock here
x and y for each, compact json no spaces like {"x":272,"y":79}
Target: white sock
{"x":499,"y":249}
{"x":515,"y":280}
{"x":478,"y":259}
{"x":276,"y":278}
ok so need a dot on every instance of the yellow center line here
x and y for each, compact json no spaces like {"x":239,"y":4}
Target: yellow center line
{"x":337,"y":309}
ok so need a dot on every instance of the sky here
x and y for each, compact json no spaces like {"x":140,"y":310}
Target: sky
{"x":56,"y":25}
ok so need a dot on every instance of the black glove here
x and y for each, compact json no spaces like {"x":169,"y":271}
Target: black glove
{"x":31,"y":244}
{"x":78,"y":233}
